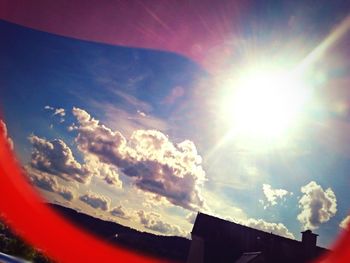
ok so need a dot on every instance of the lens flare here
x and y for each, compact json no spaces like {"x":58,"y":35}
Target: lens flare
{"x":264,"y":103}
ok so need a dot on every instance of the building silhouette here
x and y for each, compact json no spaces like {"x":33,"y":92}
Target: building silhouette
{"x":218,"y":240}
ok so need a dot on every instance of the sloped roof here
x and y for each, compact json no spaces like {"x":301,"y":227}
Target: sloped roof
{"x":206,"y":224}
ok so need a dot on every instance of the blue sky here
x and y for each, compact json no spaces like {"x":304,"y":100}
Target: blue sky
{"x":153,"y":99}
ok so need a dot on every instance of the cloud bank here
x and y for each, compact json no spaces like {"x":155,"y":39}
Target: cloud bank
{"x":317,"y":206}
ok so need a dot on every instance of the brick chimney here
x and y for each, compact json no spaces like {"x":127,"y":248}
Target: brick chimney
{"x":309,"y":241}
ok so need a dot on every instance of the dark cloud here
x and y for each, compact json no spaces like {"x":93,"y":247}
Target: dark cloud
{"x":55,"y":157}
{"x":49,"y":183}
{"x":317,"y":206}
{"x":96,"y":201}
{"x":120,"y":212}
{"x":66,"y":194}
{"x":157,"y":165}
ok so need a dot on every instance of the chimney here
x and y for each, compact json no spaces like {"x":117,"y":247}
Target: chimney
{"x":309,"y":241}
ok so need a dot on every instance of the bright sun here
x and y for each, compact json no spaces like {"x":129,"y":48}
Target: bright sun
{"x":264,"y":103}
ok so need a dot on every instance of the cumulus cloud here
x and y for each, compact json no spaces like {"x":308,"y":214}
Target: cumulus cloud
{"x":66,"y":193}
{"x":120,"y":212}
{"x":345,"y":223}
{"x":3,"y":132}
{"x":153,"y":221}
{"x":55,"y":157}
{"x":49,"y":183}
{"x":272,"y":194}
{"x":275,"y":228}
{"x":156,"y":164}
{"x":152,"y":200}
{"x":317,"y":206}
{"x":102,"y":170}
{"x":96,"y":201}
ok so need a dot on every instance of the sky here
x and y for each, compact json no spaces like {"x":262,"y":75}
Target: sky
{"x":147,"y":138}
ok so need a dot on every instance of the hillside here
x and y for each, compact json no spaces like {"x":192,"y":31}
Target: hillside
{"x":167,"y":247}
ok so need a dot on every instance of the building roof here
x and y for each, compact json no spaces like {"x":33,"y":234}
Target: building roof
{"x":207,"y":224}
{"x":233,"y":236}
{"x":249,"y":257}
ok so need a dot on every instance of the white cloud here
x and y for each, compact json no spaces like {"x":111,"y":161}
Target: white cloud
{"x":153,"y":221}
{"x":55,"y":157}
{"x":157,"y":165}
{"x":3,"y":132}
{"x":275,"y":228}
{"x":317,"y":206}
{"x":151,"y":200}
{"x":108,"y":173}
{"x":56,"y":111}
{"x":96,"y":201}
{"x":60,"y":112}
{"x":47,"y":107}
{"x":141,"y":113}
{"x":49,"y":183}
{"x":272,"y":194}
{"x":345,"y":223}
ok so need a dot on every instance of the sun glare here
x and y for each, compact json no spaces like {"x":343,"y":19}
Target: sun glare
{"x":264,"y":103}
